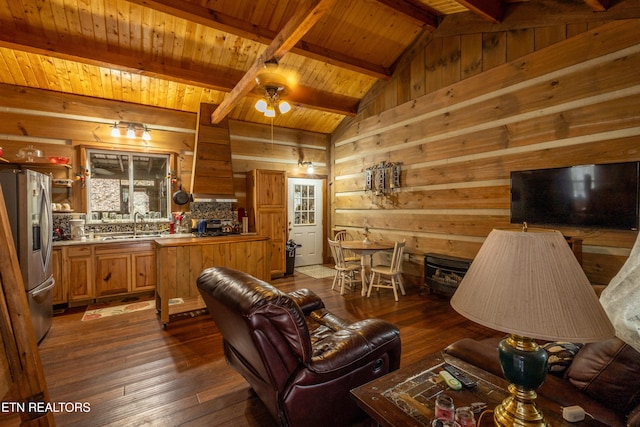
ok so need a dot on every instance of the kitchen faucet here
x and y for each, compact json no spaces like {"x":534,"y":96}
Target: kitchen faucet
{"x":135,"y":228}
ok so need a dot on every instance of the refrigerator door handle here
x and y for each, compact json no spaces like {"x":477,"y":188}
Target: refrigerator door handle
{"x":48,"y":285}
{"x":45,"y":211}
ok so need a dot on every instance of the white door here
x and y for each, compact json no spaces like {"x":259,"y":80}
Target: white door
{"x":305,"y":219}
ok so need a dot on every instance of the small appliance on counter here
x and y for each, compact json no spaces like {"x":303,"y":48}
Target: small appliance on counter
{"x":77,"y":229}
{"x":214,"y":227}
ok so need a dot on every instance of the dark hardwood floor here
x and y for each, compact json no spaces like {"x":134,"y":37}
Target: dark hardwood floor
{"x":133,"y":372}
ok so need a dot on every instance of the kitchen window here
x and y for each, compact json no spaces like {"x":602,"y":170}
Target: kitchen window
{"x":120,"y":184}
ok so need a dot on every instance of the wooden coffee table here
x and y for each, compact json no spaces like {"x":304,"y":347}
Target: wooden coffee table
{"x":406,"y":397}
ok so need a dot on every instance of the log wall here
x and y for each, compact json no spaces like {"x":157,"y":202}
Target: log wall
{"x":460,"y":113}
{"x":59,"y":124}
{"x":466,"y":111}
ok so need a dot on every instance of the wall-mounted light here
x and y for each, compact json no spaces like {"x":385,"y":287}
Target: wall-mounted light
{"x":308,"y":165}
{"x":130,"y":130}
{"x":131,"y":133}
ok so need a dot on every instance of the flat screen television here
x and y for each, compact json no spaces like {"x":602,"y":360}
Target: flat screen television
{"x":593,"y":196}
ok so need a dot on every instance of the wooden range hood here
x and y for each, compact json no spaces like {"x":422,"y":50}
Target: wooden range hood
{"x":212,"y":174}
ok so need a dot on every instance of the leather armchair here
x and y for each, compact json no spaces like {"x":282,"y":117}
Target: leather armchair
{"x":301,"y":360}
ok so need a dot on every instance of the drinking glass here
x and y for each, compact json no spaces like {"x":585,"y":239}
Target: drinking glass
{"x":444,"y":408}
{"x":464,"y":417}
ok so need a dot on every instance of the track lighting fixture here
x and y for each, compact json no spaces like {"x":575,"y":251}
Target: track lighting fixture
{"x":130,"y":130}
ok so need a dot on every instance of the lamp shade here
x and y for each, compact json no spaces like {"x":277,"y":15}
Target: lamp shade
{"x":530,"y":284}
{"x":284,"y":107}
{"x":261,"y":105}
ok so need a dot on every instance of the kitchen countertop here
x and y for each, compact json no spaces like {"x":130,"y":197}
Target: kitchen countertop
{"x":192,"y":241}
{"x":162,"y":241}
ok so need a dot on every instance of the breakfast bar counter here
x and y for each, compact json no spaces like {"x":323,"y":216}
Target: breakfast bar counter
{"x":179,"y":262}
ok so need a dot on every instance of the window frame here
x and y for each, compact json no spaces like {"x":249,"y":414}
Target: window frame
{"x":87,"y":152}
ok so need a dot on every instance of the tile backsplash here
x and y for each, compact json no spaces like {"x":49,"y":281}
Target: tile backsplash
{"x":198,"y":210}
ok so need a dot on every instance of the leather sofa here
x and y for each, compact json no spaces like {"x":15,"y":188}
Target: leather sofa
{"x":301,"y":360}
{"x":603,"y":378}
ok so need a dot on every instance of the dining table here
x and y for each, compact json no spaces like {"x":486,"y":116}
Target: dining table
{"x":366,"y":248}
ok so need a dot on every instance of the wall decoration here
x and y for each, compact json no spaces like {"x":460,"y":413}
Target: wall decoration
{"x":383,"y":178}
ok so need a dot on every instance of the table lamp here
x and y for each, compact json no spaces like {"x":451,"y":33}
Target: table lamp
{"x":529,"y":285}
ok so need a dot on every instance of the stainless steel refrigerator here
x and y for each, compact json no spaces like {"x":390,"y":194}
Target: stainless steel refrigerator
{"x":27,"y":194}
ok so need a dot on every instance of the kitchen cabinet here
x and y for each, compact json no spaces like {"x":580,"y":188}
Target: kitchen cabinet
{"x":91,"y":271}
{"x":60,"y":289}
{"x":113,"y":274}
{"x":78,"y":271}
{"x":267,"y":212}
{"x":144,"y":270}
{"x":180,"y":261}
{"x":124,"y":268}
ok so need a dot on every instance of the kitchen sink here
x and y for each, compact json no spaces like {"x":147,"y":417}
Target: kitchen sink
{"x":145,"y":236}
{"x":131,"y":237}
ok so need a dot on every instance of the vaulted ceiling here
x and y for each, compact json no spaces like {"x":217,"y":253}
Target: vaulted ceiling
{"x":177,"y":54}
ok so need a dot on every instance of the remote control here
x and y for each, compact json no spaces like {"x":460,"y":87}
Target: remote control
{"x":453,"y":383}
{"x":466,"y":381}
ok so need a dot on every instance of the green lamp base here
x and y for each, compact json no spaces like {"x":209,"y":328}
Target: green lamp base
{"x":524,"y":365}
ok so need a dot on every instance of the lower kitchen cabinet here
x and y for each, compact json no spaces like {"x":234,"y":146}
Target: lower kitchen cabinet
{"x":88,"y":271}
{"x":60,"y":290}
{"x":113,"y":274}
{"x":77,"y":270}
{"x":144,"y":270}
{"x":124,"y":268}
{"x":180,"y":262}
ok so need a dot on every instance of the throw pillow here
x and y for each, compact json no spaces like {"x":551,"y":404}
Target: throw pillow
{"x":607,"y":371}
{"x":561,"y":355}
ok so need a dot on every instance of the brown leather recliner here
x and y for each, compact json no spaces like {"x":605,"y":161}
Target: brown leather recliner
{"x":301,"y":360}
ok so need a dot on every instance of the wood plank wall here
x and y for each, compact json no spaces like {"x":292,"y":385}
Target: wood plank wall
{"x":466,"y":111}
{"x":462,"y":113}
{"x":60,"y":123}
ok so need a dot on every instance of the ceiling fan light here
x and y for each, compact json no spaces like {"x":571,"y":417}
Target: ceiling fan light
{"x":270,"y":112}
{"x":261,"y":105}
{"x":284,"y":107}
{"x":115,"y":132}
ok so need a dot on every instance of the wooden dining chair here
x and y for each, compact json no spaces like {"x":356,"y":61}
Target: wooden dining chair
{"x":392,"y":274}
{"x":349,"y":255}
{"x":345,"y":271}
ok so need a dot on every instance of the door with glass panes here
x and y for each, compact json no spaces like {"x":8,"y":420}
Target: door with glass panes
{"x":305,"y":219}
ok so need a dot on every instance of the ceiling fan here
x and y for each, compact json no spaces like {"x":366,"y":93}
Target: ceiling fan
{"x":272,"y":84}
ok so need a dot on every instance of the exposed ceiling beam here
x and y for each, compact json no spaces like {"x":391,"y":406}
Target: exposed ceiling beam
{"x":419,"y":15}
{"x":491,"y":10}
{"x":533,"y":14}
{"x":301,"y":22}
{"x":229,"y":24}
{"x":223,"y":80}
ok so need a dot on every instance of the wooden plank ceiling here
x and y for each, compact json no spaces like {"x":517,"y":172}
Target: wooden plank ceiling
{"x":177,"y":54}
